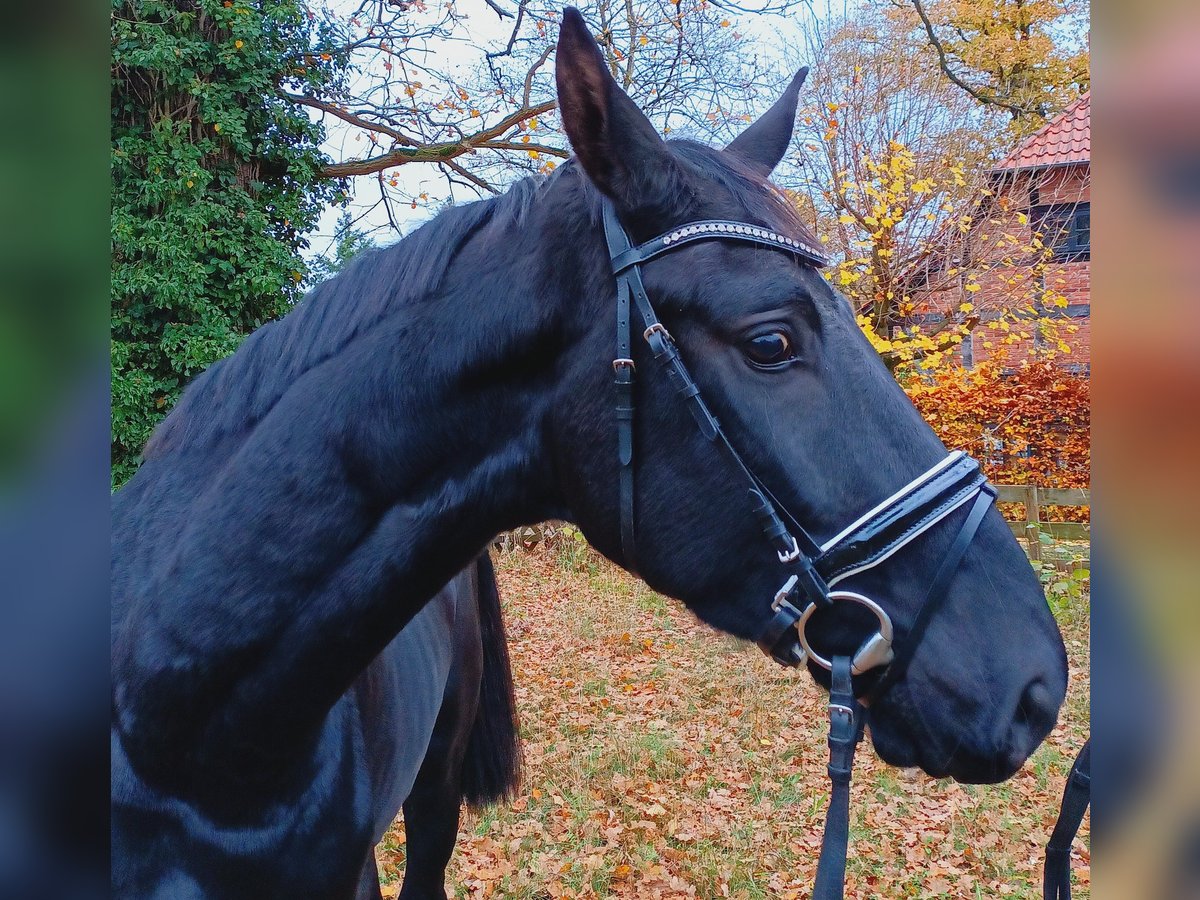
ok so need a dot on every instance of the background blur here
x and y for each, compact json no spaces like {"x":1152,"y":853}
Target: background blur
{"x":54,"y":262}
{"x":1146,"y":380}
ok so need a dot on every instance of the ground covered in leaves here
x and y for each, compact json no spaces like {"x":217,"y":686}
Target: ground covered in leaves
{"x":663,"y":760}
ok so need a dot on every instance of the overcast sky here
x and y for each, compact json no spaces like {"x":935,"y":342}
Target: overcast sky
{"x":778,"y":37}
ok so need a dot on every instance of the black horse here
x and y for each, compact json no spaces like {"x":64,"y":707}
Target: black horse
{"x":473,"y":754}
{"x":435,"y":716}
{"x":312,"y":494}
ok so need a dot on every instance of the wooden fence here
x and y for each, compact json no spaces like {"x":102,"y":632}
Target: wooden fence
{"x":1030,"y":529}
{"x":1034,"y":498}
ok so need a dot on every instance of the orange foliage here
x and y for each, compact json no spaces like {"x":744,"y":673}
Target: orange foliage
{"x":1031,"y":425}
{"x":665,"y":763}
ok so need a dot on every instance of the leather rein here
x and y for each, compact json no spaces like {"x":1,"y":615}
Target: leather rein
{"x":811,"y":568}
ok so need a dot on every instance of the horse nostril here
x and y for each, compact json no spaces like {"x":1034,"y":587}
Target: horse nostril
{"x":1035,"y":715}
{"x":1037,"y":706}
{"x":1033,"y":718}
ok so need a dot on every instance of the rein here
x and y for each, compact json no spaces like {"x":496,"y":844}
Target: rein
{"x":1056,"y":873}
{"x":813,"y":568}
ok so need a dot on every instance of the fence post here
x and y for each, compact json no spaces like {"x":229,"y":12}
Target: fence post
{"x":1032,"y":518}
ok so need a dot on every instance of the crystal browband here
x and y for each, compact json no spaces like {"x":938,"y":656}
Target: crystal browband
{"x":699,"y":231}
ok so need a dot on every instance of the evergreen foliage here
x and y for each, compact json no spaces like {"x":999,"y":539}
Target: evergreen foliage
{"x":216,"y":179}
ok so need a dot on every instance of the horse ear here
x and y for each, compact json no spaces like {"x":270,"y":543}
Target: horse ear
{"x":765,"y":141}
{"x":617,"y":146}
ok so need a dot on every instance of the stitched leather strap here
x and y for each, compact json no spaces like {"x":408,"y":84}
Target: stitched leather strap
{"x":845,"y":731}
{"x":1056,"y":873}
{"x":937,"y":593}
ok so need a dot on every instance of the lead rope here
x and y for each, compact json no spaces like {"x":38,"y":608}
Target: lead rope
{"x":1056,"y":874}
{"x":845,"y":731}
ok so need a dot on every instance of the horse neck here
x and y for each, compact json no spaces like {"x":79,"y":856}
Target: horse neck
{"x":377,"y":476}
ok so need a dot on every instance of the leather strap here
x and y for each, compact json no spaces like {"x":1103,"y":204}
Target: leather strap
{"x":717,"y":229}
{"x":935,"y":596}
{"x":624,"y":372}
{"x":845,"y":731}
{"x":1056,"y":873}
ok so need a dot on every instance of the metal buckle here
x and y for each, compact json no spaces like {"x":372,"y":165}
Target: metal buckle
{"x":789,"y":556}
{"x":623,"y":363}
{"x":661,"y":329}
{"x":841,"y":708}
{"x":875,"y":651}
{"x":781,"y":596}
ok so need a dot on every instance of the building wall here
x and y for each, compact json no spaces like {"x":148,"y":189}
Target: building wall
{"x":1008,"y":284}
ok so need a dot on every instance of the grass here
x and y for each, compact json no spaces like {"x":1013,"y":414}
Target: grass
{"x":664,"y":760}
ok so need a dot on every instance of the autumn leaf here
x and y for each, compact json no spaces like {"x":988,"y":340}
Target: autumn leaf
{"x":635,"y":794}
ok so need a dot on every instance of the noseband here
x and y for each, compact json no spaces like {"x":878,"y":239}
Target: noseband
{"x":813,"y":568}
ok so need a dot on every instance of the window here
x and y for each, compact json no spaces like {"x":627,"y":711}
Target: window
{"x":1066,"y":229}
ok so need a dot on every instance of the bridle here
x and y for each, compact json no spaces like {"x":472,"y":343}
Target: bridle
{"x":812,"y":568}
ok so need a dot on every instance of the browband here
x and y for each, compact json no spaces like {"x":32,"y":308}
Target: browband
{"x":717,"y":228}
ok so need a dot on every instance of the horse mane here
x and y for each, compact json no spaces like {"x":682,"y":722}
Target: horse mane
{"x":236,"y":392}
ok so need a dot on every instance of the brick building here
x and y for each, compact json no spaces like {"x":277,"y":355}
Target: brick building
{"x":1043,"y":186}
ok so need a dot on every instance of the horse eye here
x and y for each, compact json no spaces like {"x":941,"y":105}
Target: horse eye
{"x":769,"y":349}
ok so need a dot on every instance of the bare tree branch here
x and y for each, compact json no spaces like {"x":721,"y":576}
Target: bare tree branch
{"x":359,"y":121}
{"x":474,"y":179}
{"x":502,"y":13}
{"x":440,"y":152}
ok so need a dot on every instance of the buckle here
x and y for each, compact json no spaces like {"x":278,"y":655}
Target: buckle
{"x":623,"y":363}
{"x":781,"y":596}
{"x":789,"y":556}
{"x":658,"y":328}
{"x":840,"y":709}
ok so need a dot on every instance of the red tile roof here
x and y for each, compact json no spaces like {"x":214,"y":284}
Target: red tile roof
{"x":1066,"y":138}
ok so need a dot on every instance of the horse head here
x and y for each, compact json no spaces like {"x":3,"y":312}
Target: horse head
{"x":807,"y":406}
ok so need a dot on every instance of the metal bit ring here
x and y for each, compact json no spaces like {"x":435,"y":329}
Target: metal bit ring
{"x":875,"y":651}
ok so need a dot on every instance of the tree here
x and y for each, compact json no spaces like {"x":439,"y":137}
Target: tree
{"x":1028,"y":425}
{"x":216,"y":178}
{"x":1028,"y":58}
{"x":896,"y":172}
{"x":473,"y":97}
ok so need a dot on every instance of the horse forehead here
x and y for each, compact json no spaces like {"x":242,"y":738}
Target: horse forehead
{"x":728,"y":276}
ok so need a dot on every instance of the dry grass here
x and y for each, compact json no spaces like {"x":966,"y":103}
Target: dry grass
{"x":664,"y":760}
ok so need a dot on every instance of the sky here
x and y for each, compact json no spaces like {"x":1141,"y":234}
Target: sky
{"x":778,"y":37}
